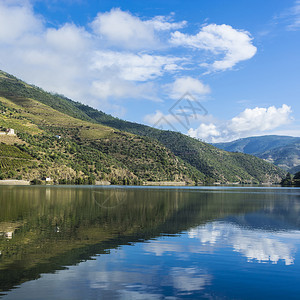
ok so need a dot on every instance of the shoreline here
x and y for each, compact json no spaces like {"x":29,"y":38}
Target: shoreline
{"x":165,"y":183}
{"x":14,"y":182}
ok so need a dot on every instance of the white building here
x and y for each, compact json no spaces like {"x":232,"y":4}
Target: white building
{"x":10,"y":131}
{"x":9,"y":235}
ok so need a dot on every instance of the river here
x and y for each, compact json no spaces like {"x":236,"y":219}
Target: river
{"x":91,"y":242}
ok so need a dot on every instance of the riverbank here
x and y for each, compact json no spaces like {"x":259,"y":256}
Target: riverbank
{"x":14,"y":182}
{"x":146,"y":183}
{"x":164,"y":183}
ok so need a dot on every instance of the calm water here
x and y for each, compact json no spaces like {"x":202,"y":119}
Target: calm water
{"x":149,"y":243}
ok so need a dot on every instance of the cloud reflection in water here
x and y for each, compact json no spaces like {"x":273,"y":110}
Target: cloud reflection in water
{"x":258,"y":245}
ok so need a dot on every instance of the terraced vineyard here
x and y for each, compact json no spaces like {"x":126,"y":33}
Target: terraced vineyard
{"x":13,"y":161}
{"x":12,"y":164}
{"x":12,"y":151}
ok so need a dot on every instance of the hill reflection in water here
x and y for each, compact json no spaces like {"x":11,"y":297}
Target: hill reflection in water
{"x":185,"y":240}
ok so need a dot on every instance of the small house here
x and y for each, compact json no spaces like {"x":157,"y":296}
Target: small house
{"x":47,"y":179}
{"x":10,"y":131}
{"x":9,"y":235}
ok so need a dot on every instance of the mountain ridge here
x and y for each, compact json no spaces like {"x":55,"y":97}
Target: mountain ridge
{"x":283,"y":151}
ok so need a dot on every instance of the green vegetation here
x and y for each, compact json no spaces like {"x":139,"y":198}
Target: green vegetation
{"x":12,"y":161}
{"x":95,"y":146}
{"x":12,"y":152}
{"x":215,"y":164}
{"x":291,"y":180}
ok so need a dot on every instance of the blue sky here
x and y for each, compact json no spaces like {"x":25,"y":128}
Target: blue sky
{"x":238,"y":61}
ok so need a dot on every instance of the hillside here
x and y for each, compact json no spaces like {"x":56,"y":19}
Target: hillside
{"x":283,"y":151}
{"x":217,"y":165}
{"x":96,"y":146}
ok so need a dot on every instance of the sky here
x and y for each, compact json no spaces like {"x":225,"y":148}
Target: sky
{"x":212,"y":69}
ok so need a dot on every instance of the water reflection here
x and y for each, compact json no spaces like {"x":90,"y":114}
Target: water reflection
{"x":183,"y":240}
{"x":254,"y":244}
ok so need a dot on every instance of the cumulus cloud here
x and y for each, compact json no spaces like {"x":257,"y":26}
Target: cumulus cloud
{"x":121,"y":28}
{"x":249,"y":122}
{"x":260,"y":118}
{"x":117,"y":56}
{"x":135,"y":67}
{"x":115,"y":88}
{"x":204,"y":131}
{"x":186,"y":84}
{"x":71,"y":61}
{"x":235,"y":45}
{"x":68,"y":38}
{"x":16,"y":20}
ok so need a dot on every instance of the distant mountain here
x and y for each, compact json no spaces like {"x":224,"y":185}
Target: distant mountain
{"x":69,"y":142}
{"x":257,"y":144}
{"x":294,"y":170}
{"x":286,"y":157}
{"x":283,"y":151}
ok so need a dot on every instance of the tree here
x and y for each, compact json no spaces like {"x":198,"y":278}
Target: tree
{"x":297,"y":176}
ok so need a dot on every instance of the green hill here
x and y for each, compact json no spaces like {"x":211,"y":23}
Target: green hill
{"x":96,"y":146}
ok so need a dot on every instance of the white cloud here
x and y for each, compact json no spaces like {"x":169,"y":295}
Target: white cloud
{"x":260,"y":119}
{"x":162,"y":23}
{"x":187,"y":84}
{"x":294,"y":131}
{"x":117,"y":89}
{"x":250,"y":122}
{"x":16,"y":20}
{"x":204,"y":131}
{"x":112,"y":58}
{"x":235,"y":45}
{"x":121,"y":28}
{"x":135,"y":67}
{"x":68,"y":38}
{"x":71,"y":61}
